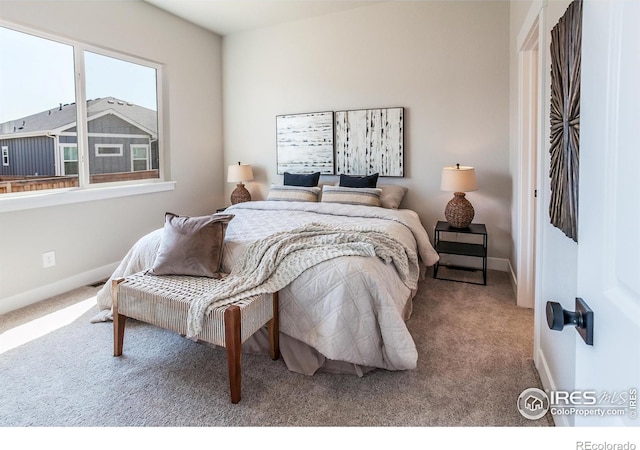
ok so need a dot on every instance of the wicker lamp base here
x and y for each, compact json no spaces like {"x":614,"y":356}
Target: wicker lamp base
{"x":459,"y":212}
{"x":240,"y":194}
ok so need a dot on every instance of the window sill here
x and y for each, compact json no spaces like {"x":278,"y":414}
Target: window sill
{"x":67,"y":196}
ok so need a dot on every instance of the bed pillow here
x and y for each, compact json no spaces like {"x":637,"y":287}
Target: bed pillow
{"x":191,"y":245}
{"x":368,"y":181}
{"x":352,"y":196}
{"x":301,"y":179}
{"x":293,"y":193}
{"x":392,"y":196}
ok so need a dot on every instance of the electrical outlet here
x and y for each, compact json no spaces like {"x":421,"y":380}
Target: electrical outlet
{"x":48,"y":259}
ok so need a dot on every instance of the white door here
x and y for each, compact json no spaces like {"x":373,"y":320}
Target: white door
{"x":609,"y":208}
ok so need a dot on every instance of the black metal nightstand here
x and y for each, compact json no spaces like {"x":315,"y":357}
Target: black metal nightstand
{"x":478,"y":250}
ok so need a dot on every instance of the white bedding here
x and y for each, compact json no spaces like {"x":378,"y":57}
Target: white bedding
{"x":345,"y":314}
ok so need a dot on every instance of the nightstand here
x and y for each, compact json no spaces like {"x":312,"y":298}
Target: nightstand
{"x":476,"y":250}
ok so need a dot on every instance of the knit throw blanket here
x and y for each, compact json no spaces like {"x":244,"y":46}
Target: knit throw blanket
{"x":269,"y":265}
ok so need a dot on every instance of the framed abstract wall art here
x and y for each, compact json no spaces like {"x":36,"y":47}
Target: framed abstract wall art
{"x":304,"y":143}
{"x":370,"y":141}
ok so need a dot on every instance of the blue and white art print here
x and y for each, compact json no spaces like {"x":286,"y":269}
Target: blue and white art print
{"x":370,"y":141}
{"x":304,"y":143}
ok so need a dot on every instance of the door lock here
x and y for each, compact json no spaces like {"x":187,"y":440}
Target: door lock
{"x":582,"y":319}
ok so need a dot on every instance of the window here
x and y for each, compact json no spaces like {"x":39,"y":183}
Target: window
{"x":139,"y":157}
{"x":69,"y":158}
{"x":128,"y":115}
{"x":100,"y":133}
{"x":108,"y":149}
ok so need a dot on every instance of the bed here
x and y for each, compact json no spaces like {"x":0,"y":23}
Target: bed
{"x":343,"y":315}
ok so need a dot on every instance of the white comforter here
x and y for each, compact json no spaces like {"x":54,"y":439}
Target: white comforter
{"x":347,"y":313}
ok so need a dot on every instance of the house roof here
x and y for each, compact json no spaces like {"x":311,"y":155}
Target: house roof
{"x":64,"y":116}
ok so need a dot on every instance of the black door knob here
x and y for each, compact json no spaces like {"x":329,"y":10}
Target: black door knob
{"x":582,"y":319}
{"x":558,"y":317}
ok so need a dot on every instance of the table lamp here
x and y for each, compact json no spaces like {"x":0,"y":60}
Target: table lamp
{"x":459,"y":179}
{"x":239,"y":173}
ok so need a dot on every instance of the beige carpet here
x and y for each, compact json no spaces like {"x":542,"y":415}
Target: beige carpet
{"x":475,"y":358}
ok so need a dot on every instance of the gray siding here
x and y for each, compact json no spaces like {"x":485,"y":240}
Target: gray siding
{"x":29,"y":156}
{"x":68,"y":139}
{"x":112,"y":164}
{"x":112,"y":124}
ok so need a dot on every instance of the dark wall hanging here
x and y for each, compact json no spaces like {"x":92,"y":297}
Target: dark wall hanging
{"x":566,"y":48}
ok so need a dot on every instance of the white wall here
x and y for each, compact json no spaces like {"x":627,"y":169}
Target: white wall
{"x":557,"y":265}
{"x":89,"y":238}
{"x":446,"y":63}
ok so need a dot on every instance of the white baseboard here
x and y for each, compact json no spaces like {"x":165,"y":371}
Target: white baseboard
{"x":59,"y":287}
{"x":549,"y":385}
{"x":514,"y":280}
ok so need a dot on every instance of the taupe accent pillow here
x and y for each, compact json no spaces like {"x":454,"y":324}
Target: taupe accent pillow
{"x":351,"y":196}
{"x":294,"y":193}
{"x":392,"y":196}
{"x":191,"y":245}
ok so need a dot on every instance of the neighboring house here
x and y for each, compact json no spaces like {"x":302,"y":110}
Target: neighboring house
{"x":123,"y":137}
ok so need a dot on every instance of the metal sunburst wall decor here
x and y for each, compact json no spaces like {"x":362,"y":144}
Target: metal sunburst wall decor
{"x":566,"y":48}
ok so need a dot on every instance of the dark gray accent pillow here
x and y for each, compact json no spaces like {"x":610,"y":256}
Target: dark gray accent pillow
{"x":369,"y":181}
{"x":301,"y":179}
{"x":191,"y":245}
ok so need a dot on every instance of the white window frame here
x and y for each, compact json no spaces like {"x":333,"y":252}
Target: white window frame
{"x":5,"y":156}
{"x":147,"y":149}
{"x":61,"y":148}
{"x":101,"y":146}
{"x":87,"y":191}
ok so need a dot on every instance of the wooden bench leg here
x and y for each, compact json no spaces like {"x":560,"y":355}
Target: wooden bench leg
{"x":233,"y":344}
{"x":118,"y":319}
{"x":274,"y":330}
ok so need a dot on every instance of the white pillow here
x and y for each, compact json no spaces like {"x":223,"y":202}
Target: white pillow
{"x":293,"y":193}
{"x":351,"y":196}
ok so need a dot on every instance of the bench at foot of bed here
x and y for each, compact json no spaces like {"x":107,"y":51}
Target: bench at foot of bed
{"x":164,"y":301}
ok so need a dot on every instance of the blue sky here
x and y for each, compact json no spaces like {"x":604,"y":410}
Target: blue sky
{"x":37,"y":74}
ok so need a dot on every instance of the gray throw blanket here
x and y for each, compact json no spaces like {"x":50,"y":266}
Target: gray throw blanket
{"x":268,"y":265}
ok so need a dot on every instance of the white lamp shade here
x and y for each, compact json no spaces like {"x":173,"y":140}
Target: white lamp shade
{"x":239,"y":172}
{"x":458,"y":179}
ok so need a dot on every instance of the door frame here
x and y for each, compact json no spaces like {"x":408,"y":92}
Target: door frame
{"x":530,"y":137}
{"x":529,"y":243}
